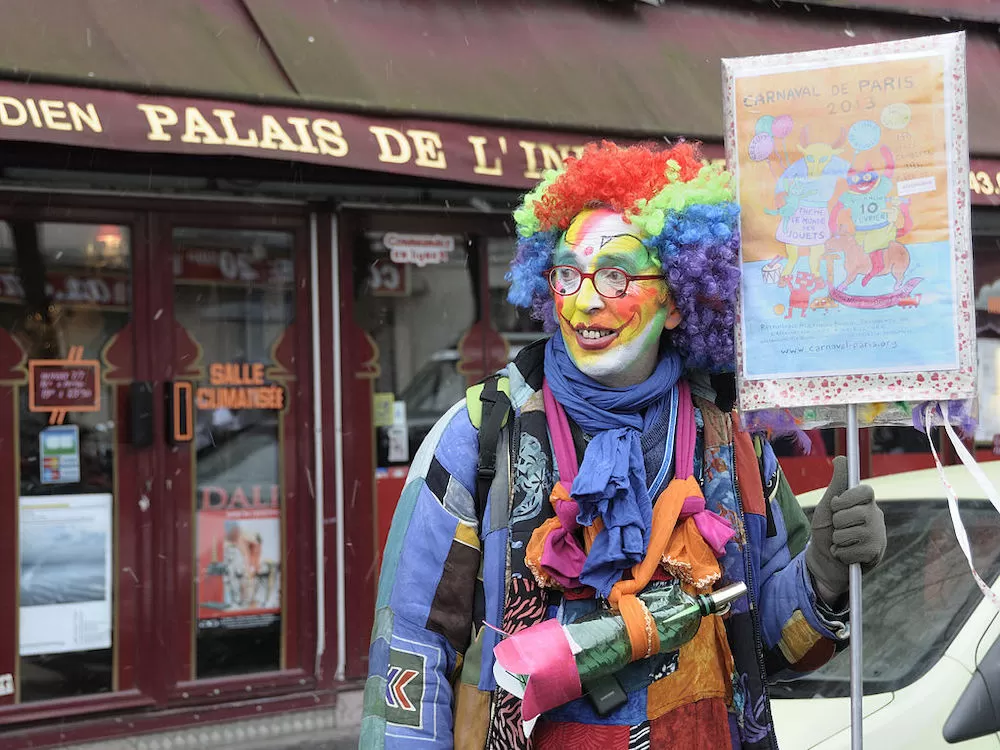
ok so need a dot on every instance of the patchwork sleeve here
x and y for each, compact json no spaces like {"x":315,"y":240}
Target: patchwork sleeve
{"x":424,"y":609}
{"x":799,"y":634}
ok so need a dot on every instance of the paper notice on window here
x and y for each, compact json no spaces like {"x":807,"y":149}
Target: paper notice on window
{"x":65,"y":574}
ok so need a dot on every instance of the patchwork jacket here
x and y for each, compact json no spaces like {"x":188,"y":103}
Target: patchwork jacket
{"x":445,"y":573}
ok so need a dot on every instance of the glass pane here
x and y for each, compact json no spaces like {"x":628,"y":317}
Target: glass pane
{"x":64,"y":295}
{"x":416,"y":316}
{"x":924,"y":572}
{"x":234,"y":297}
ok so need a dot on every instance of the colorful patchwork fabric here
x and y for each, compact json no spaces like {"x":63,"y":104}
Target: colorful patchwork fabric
{"x":449,"y":580}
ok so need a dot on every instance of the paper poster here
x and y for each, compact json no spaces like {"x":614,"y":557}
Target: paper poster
{"x":239,"y":560}
{"x":851,"y":167}
{"x":65,"y":574}
{"x":399,"y":435}
{"x":59,"y":454}
{"x":382,"y":408}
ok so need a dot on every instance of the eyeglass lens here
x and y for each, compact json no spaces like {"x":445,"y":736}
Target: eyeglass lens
{"x":609,"y":282}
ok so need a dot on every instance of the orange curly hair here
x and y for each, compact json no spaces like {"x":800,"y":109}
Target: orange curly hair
{"x":614,"y":177}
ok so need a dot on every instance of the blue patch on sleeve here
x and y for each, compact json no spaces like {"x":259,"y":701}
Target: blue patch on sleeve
{"x":421,"y":562}
{"x":775,"y":554}
{"x":458,"y":450}
{"x":378,"y":657}
{"x":494,"y":566}
{"x":783,"y":593}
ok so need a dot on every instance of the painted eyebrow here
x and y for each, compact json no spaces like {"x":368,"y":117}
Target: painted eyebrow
{"x":606,"y":239}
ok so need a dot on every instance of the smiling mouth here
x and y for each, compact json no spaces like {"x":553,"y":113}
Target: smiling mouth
{"x":594,"y":338}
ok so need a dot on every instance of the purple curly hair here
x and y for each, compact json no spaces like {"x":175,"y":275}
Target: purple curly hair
{"x":699,"y":251}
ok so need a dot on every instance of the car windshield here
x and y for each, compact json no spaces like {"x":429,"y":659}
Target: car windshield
{"x":435,"y":388}
{"x":915,"y":601}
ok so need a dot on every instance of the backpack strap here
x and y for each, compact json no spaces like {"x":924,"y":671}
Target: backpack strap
{"x":489,"y":409}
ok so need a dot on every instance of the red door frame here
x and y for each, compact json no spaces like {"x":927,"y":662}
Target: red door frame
{"x":133,"y":550}
{"x":299,"y":573}
{"x":146,"y":676}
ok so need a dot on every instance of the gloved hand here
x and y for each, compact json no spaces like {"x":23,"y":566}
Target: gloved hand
{"x":847,"y":527}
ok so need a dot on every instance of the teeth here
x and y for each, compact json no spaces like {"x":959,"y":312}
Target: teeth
{"x":590,"y":334}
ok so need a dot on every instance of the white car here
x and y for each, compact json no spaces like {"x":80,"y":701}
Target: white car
{"x":931,"y":650}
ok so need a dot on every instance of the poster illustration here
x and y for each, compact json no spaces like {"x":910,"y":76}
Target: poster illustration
{"x":239,"y":558}
{"x":851,"y":168}
{"x":65,"y":574}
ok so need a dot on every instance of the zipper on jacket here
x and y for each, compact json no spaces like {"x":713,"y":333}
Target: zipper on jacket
{"x":752,"y":604}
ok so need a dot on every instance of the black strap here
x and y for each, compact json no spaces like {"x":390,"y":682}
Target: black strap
{"x":772,"y":529}
{"x":490,"y":425}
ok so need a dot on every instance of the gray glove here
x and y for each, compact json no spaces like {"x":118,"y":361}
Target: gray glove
{"x":847,"y":528}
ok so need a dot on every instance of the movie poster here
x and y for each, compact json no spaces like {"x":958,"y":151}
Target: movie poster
{"x":65,"y":545}
{"x":851,"y":167}
{"x":239,"y":558}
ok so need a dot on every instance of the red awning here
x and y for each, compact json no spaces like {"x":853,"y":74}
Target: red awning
{"x":488,"y":92}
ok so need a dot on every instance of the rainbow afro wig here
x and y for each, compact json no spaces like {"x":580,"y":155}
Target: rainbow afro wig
{"x":687,"y":217}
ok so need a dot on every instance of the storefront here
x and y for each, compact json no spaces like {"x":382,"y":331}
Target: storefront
{"x":233,"y":300}
{"x":207,"y":361}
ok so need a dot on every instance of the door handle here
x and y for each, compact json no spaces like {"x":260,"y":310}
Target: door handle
{"x":180,"y":412}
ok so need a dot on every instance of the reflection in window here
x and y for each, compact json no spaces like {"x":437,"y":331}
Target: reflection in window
{"x":234,"y":297}
{"x":64,"y":295}
{"x":416,"y":315}
{"x":916,"y":601}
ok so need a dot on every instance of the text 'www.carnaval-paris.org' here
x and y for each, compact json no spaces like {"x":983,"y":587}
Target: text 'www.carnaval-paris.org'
{"x":840,"y":346}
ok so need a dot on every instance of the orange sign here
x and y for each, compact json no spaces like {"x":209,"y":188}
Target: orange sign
{"x":60,"y":386}
{"x":239,"y":386}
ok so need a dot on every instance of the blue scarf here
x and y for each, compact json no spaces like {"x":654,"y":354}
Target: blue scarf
{"x":611,"y":483}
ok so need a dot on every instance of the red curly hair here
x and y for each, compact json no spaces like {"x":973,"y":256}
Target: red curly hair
{"x":613,"y":176}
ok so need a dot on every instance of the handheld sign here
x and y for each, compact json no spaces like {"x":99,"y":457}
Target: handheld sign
{"x":851,"y":170}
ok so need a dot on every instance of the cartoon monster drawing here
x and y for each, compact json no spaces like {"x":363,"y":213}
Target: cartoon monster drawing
{"x":800,"y":289}
{"x":806,"y":188}
{"x":875,"y":214}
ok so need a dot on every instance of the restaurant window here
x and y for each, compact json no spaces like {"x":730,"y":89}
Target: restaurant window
{"x":234,"y":298}
{"x":64,"y":295}
{"x":416,"y":310}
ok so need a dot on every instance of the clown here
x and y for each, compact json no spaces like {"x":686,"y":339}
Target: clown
{"x":620,"y":470}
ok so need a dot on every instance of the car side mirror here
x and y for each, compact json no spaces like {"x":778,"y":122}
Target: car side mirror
{"x":977,"y":712}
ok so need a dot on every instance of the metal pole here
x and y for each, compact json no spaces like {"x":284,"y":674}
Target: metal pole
{"x":857,"y":680}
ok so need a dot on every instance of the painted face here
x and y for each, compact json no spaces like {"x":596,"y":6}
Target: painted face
{"x":613,"y":340}
{"x":863,"y":181}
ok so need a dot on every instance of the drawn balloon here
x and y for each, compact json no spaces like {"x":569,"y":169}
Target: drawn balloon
{"x":761,"y":147}
{"x":864,"y":135}
{"x":896,"y":116}
{"x":782,"y":126}
{"x":764,"y":125}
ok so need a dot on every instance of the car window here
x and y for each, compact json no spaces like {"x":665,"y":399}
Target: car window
{"x":915,"y":602}
{"x":435,"y":388}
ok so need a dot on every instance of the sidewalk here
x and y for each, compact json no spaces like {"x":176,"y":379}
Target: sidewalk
{"x":325,"y":729}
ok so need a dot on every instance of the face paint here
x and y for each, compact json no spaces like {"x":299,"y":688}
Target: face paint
{"x":614,"y":341}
